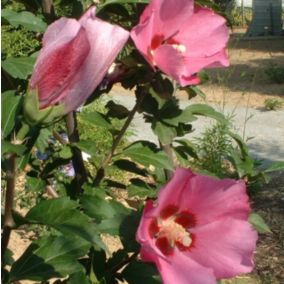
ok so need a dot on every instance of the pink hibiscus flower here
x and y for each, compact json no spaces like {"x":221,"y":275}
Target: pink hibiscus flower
{"x":74,"y":59}
{"x":197,"y":230}
{"x":181,"y":39}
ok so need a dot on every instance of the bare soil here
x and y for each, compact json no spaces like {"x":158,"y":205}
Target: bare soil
{"x":245,"y":82}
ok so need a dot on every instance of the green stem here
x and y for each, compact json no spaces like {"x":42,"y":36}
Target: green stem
{"x":22,"y":133}
{"x":77,"y":159}
{"x":169,"y":152}
{"x":116,"y":141}
{"x":48,"y":10}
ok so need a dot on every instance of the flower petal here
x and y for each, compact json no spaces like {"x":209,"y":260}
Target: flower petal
{"x":183,"y":68}
{"x":142,"y":36}
{"x":181,"y":39}
{"x":171,"y":62}
{"x":56,"y":68}
{"x":169,"y":15}
{"x":180,"y":269}
{"x":207,"y":198}
{"x":204,"y":33}
{"x":106,"y":41}
{"x":226,"y":246}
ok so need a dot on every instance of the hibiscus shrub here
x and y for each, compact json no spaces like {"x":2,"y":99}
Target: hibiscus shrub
{"x":169,"y":223}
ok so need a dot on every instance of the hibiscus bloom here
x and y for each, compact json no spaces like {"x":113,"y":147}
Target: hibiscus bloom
{"x":74,"y":58}
{"x":197,"y":230}
{"x":181,"y":39}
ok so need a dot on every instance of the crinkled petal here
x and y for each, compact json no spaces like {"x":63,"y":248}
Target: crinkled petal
{"x":169,"y":15}
{"x":183,"y":68}
{"x":181,"y":39}
{"x":142,"y":37}
{"x":226,"y":246}
{"x":56,"y":68}
{"x":142,"y":234}
{"x":160,"y":19}
{"x":207,"y":198}
{"x":179,"y":268}
{"x":196,"y":64}
{"x":204,"y":34}
{"x":60,"y":32}
{"x":106,"y":41}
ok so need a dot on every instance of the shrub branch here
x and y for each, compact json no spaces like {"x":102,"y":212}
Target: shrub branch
{"x":100,"y":173}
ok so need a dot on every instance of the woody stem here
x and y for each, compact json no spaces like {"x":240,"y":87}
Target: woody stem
{"x":116,"y":141}
{"x":8,"y":223}
{"x":9,"y":200}
{"x":77,"y":159}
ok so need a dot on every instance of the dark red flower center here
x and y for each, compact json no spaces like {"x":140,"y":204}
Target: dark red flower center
{"x":172,"y":229}
{"x":159,"y":40}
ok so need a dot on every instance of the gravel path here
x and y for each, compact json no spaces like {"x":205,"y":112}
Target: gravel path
{"x":265,"y":129}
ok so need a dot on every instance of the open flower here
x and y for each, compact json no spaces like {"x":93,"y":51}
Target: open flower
{"x":74,"y":58}
{"x":197,"y":230}
{"x":181,"y":39}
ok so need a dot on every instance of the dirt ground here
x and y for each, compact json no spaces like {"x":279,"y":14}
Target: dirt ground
{"x":244,"y":83}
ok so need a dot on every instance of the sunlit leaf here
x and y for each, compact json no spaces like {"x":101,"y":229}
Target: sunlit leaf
{"x":10,"y":106}
{"x":25,"y":19}
{"x":63,"y":215}
{"x":147,"y":154}
{"x":19,"y":67}
{"x":275,"y":166}
{"x":51,"y":256}
{"x":258,"y":223}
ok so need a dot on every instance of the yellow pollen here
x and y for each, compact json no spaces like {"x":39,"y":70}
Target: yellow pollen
{"x":174,"y":232}
{"x":179,"y":47}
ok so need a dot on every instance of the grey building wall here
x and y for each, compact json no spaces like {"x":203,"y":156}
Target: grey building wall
{"x":267,"y":18}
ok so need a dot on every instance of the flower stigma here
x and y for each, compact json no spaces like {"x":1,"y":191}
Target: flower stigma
{"x":174,"y":232}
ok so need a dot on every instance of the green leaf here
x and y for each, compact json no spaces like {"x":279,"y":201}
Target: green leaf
{"x":34,"y":184}
{"x":42,"y":140}
{"x":258,"y":223}
{"x":34,"y":116}
{"x":10,"y":107}
{"x":8,"y":147}
{"x":19,"y":67}
{"x":117,"y":110}
{"x":87,"y":146}
{"x":95,"y":118}
{"x":130,"y":166}
{"x":108,"y":213}
{"x":25,"y":19}
{"x":8,"y":257}
{"x":193,"y":91}
{"x":181,"y":116}
{"x":244,"y":166}
{"x":241,"y":144}
{"x":140,"y":188}
{"x":128,"y":229}
{"x":52,"y":256}
{"x":65,"y":152}
{"x":275,"y":166}
{"x":140,"y":273}
{"x":63,"y":215}
{"x":187,"y":147}
{"x":205,"y":110}
{"x":109,"y":2}
{"x":78,"y":278}
{"x":165,"y":132}
{"x":147,"y":154}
